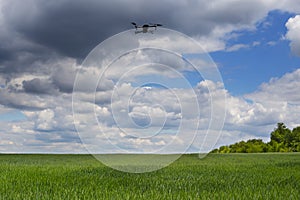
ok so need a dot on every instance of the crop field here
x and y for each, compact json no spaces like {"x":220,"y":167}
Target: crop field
{"x":217,"y":176}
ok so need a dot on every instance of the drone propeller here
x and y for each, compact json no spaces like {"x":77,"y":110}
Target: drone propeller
{"x":151,"y":24}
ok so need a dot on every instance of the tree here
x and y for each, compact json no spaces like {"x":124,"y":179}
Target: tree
{"x":224,"y":149}
{"x":279,"y":134}
{"x":295,"y":139}
{"x":282,"y":140}
{"x":256,"y":146}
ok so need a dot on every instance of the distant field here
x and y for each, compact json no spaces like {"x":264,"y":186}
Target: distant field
{"x":217,"y":176}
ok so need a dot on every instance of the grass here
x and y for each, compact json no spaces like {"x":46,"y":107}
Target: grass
{"x":217,"y":176}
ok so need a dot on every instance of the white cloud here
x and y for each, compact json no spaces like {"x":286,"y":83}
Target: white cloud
{"x":283,"y":89}
{"x":293,"y":30}
{"x":271,"y":43}
{"x":252,"y":116}
{"x":255,"y":43}
{"x":21,"y":100}
{"x":143,"y":112}
{"x":255,"y":115}
{"x":237,"y":47}
{"x":45,"y":120}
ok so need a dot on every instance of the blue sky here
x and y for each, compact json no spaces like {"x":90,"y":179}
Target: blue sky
{"x":245,"y":69}
{"x":12,"y":116}
{"x":255,"y":45}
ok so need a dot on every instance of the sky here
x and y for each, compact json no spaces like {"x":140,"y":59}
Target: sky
{"x":56,"y":96}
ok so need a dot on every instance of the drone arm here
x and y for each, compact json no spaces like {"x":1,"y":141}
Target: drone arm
{"x":135,"y":25}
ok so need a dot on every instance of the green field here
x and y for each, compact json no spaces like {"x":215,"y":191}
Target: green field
{"x":217,"y":176}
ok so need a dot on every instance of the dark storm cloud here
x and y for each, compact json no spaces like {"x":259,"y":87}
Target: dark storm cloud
{"x":63,"y":78}
{"x":73,"y":27}
{"x":39,"y":86}
{"x":32,"y":59}
{"x":5,"y":55}
{"x":39,"y":31}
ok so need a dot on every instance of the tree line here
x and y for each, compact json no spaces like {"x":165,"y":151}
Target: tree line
{"x":282,"y":140}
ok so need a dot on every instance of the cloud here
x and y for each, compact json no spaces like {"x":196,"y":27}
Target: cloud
{"x":39,"y":32}
{"x":43,"y":44}
{"x":39,"y":86}
{"x":275,"y":101}
{"x":142,"y":112}
{"x":52,"y":126}
{"x":255,"y":115}
{"x":293,"y":29}
{"x":21,"y":101}
{"x":63,"y":77}
{"x":73,"y":29}
{"x":283,"y":89}
{"x":237,"y":47}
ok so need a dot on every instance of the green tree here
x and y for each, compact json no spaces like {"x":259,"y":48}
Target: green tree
{"x":256,"y":146}
{"x":282,"y":140}
{"x":224,"y":149}
{"x":280,"y":133}
{"x":295,"y":139}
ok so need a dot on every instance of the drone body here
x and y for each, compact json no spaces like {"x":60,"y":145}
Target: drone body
{"x":146,"y":28}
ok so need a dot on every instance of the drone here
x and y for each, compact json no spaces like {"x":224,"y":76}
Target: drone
{"x":146,"y":28}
